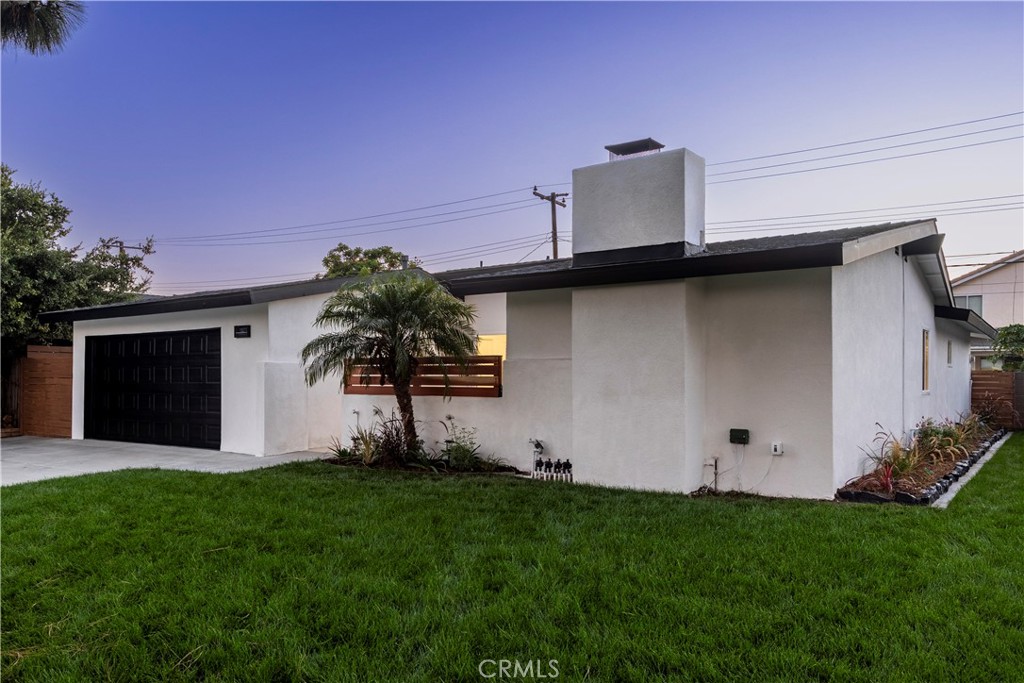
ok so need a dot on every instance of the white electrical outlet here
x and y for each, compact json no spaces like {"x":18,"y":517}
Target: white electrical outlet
{"x":777,"y":448}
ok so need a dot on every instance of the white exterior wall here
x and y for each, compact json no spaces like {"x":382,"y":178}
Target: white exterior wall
{"x":242,"y":384}
{"x":629,"y":373}
{"x":1002,"y":292}
{"x":695,"y":403}
{"x":769,"y":370}
{"x":945,"y":397}
{"x":537,"y":379}
{"x":632,"y":202}
{"x":868,"y":358}
{"x":297,"y":417}
{"x":490,"y":312}
{"x":882,"y":305}
{"x":951,"y":379}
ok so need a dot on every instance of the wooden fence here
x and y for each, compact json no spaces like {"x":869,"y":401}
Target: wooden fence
{"x":481,"y":378}
{"x":1000,"y":394}
{"x":46,"y":391}
{"x":10,"y":425}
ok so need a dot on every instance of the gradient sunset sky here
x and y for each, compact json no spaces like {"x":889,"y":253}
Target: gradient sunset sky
{"x":186,"y":120}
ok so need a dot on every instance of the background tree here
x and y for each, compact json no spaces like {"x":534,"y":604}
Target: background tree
{"x":346,"y":261}
{"x":40,"y":274}
{"x":1009,"y":347}
{"x":39,"y":27}
{"x":390,"y":324}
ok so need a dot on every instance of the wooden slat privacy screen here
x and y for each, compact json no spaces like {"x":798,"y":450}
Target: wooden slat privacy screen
{"x":46,"y":391}
{"x":481,"y":378}
{"x":1002,"y":392}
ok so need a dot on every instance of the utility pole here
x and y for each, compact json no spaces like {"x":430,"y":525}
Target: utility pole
{"x":555,"y":202}
{"x":122,"y":246}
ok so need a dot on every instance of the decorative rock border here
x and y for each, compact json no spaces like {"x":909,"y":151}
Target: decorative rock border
{"x":936,"y":491}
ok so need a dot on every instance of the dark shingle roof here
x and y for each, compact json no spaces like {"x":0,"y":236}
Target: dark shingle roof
{"x":802,"y":239}
{"x":777,"y":252}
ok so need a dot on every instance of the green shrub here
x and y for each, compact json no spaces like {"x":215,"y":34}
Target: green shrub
{"x":461,"y":450}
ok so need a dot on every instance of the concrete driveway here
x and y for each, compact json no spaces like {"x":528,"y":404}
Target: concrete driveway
{"x":32,"y":458}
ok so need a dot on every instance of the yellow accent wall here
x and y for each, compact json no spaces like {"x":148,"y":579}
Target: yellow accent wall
{"x":492,"y":345}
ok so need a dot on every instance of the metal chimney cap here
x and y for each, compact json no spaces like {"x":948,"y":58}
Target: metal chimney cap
{"x":635,"y":147}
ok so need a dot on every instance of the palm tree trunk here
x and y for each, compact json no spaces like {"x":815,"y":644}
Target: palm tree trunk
{"x":404,"y":397}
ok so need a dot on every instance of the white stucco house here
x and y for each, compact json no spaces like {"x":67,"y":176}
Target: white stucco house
{"x":636,"y":357}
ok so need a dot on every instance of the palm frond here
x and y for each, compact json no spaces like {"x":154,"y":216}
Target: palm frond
{"x":40,"y":27}
{"x":389,"y":323}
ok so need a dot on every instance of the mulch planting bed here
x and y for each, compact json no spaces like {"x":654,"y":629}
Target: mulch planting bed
{"x":923,"y":486}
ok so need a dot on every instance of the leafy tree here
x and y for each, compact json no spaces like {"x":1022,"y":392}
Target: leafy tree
{"x":39,"y":27}
{"x":390,"y":323}
{"x":346,"y":261}
{"x":1009,"y":347}
{"x":40,"y":274}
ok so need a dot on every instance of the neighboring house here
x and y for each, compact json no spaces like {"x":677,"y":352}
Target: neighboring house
{"x":995,"y":291}
{"x":636,"y":358}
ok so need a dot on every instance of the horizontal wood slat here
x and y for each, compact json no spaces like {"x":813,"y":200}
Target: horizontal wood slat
{"x":996,"y":391}
{"x":480,"y":378}
{"x":46,"y":391}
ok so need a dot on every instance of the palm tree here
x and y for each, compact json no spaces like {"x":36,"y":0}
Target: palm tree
{"x":39,"y":27}
{"x":390,"y":323}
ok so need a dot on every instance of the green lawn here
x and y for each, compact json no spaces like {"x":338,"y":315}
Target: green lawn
{"x":312,"y":572}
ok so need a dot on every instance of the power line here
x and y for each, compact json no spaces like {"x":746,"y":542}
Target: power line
{"x":271,"y":231}
{"x":866,"y":161}
{"x":866,"y":151}
{"x":881,"y":208}
{"x":354,"y":234}
{"x":839,"y":223}
{"x":486,"y":244}
{"x":473,"y":250}
{"x":532,"y":250}
{"x":987,"y":253}
{"x":388,"y":213}
{"x":857,"y":142}
{"x":493,"y":252}
{"x":252,"y":235}
{"x":486,"y":252}
{"x":859,"y":219}
{"x":235,"y":279}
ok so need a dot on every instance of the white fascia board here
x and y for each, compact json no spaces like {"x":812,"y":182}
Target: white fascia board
{"x":874,"y":244}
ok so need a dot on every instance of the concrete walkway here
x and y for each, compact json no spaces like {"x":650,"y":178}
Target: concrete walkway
{"x":33,"y":458}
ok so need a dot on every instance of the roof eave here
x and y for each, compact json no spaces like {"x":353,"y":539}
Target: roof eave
{"x":862,"y":247}
{"x":171,"y":305}
{"x":793,"y":258}
{"x":967,"y":319}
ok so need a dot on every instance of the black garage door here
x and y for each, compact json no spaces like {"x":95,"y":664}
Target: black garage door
{"x":161,"y":388}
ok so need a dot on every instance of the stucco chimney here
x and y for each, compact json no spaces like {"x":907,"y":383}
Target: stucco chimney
{"x":641,"y":199}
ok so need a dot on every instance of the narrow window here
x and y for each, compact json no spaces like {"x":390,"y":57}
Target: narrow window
{"x":971,"y":301}
{"x":924,"y":360}
{"x":949,"y":353}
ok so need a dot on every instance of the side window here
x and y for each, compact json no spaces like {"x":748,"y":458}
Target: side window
{"x":924,"y":360}
{"x":971,"y":301}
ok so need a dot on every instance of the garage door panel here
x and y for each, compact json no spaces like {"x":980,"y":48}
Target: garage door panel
{"x":161,"y":388}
